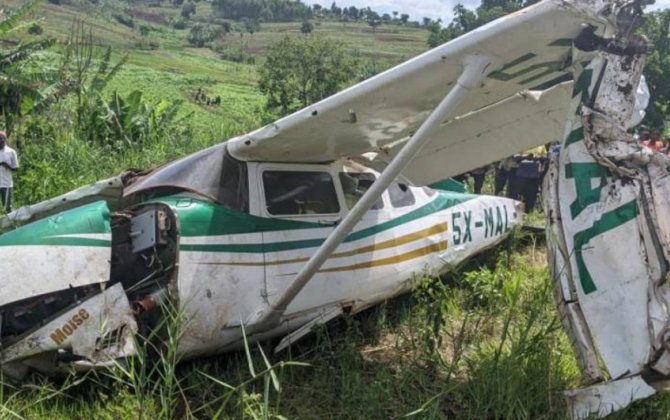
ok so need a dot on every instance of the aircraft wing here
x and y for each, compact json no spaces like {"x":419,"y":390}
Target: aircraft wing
{"x":520,"y":122}
{"x":534,"y":49}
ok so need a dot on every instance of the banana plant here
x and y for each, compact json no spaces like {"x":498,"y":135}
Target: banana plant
{"x":20,"y":92}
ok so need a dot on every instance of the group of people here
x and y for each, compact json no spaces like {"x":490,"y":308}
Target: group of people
{"x":518,"y":176}
{"x":652,"y":140}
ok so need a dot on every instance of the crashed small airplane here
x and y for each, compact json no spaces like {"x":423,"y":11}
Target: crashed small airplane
{"x":305,"y":219}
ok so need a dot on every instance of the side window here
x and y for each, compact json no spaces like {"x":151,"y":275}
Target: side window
{"x":298,"y":193}
{"x":355,"y":185}
{"x":401,"y":195}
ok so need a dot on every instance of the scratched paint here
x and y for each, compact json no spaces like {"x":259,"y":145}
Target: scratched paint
{"x":603,"y":231}
{"x":83,"y":329}
{"x":361,"y":271}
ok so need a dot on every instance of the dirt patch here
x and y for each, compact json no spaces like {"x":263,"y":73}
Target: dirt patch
{"x":156,"y":18}
{"x":258,"y":50}
{"x":391,"y":38}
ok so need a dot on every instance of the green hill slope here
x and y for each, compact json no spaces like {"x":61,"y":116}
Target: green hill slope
{"x":164,"y":65}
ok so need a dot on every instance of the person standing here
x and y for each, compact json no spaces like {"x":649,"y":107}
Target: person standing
{"x":655,"y":142}
{"x":504,"y":173}
{"x":479,"y":175}
{"x":9,"y":163}
{"x":529,"y":175}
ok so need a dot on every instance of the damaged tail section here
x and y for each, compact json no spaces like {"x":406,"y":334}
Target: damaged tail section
{"x":606,"y":203}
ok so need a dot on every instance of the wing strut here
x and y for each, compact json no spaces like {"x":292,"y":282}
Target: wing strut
{"x":476,"y":68}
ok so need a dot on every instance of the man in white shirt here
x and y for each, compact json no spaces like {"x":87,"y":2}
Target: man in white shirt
{"x":9,"y":163}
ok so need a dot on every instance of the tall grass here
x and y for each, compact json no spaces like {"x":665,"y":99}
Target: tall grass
{"x":481,"y":343}
{"x":154,"y":385}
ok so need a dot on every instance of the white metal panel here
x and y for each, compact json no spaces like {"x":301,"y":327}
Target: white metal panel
{"x":88,"y":329}
{"x":603,"y":399}
{"x":33,"y":270}
{"x":525,"y":120}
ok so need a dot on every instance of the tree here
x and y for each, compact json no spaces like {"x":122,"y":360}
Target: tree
{"x":187,"y":10}
{"x":19,"y":92}
{"x":374,"y":23}
{"x":373,"y":19}
{"x":657,"y":29}
{"x":252,"y":26}
{"x":404,"y":18}
{"x":307,"y":27}
{"x":200,"y":34}
{"x":466,"y":20}
{"x":300,"y":71}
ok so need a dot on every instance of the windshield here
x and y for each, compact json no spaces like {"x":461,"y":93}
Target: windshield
{"x":211,"y":172}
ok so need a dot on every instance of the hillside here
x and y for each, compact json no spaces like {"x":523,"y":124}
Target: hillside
{"x":163,"y":64}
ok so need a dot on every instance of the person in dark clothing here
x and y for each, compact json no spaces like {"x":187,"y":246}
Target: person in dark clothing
{"x":528,"y":177}
{"x":504,"y":173}
{"x":479,"y":175}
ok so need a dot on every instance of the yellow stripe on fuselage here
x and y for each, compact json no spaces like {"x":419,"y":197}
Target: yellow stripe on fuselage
{"x":391,"y":243}
{"x":440,"y":246}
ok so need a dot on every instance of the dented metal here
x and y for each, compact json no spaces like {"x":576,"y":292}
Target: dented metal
{"x":100,"y":329}
{"x":93,"y":269}
{"x":606,"y":206}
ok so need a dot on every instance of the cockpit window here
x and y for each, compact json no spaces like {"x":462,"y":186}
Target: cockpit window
{"x":355,"y":185}
{"x":212,"y":173}
{"x":299,"y":193}
{"x":401,"y":195}
{"x":234,"y":185}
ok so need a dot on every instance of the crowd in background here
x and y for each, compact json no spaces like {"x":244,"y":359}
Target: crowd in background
{"x":652,"y":140}
{"x":520,"y":176}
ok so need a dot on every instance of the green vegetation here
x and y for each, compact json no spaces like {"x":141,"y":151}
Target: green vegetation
{"x":137,"y":84}
{"x":298,"y":72}
{"x":206,"y":74}
{"x":657,"y":30}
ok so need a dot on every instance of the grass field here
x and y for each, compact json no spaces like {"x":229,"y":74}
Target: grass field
{"x":481,"y":343}
{"x":176,"y":70}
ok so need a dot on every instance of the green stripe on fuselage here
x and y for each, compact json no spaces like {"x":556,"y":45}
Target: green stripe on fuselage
{"x":62,"y":229}
{"x":193,"y":219}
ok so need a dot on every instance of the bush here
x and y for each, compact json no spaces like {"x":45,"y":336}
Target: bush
{"x":238,"y":56}
{"x":179,"y":23}
{"x":125,"y":20}
{"x":201,"y":34}
{"x":129,"y":119}
{"x":187,"y":10}
{"x":307,"y":27}
{"x":35,"y":29}
{"x":147,"y":44}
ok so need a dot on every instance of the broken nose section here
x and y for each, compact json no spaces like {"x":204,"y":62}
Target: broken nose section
{"x":94,"y":333}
